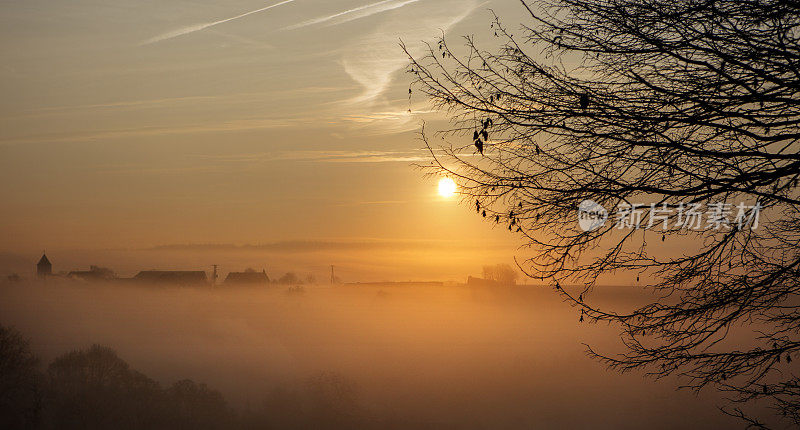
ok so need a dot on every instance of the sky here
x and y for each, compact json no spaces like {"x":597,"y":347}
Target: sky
{"x":135,"y":125}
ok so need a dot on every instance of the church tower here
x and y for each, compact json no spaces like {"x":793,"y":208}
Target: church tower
{"x":43,"y":267}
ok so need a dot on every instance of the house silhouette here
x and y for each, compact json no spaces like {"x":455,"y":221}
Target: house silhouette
{"x":247,"y":277}
{"x":173,"y":277}
{"x":43,"y":267}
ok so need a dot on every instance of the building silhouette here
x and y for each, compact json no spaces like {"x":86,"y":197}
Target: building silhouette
{"x":43,"y":267}
{"x":248,"y":277}
{"x":173,"y":277}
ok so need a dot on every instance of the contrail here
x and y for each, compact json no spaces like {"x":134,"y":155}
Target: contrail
{"x":203,"y":26}
{"x":386,"y":5}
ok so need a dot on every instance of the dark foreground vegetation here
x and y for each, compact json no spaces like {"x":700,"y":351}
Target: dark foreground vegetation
{"x":94,"y":388}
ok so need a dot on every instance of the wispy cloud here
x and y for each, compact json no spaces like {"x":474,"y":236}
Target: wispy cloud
{"x":323,"y":156}
{"x":335,"y":244}
{"x":172,"y":102}
{"x":373,"y":203}
{"x":358,"y":156}
{"x":375,"y":58}
{"x":188,"y":129}
{"x":202,"y":26}
{"x":210,"y":163}
{"x":353,"y":14}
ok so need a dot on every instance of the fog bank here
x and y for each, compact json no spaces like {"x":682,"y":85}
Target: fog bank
{"x":462,"y":357}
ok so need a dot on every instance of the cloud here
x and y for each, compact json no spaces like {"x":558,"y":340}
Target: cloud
{"x":374,"y":203}
{"x":375,"y":58}
{"x":183,"y":101}
{"x":204,"y":163}
{"x":202,"y":26}
{"x":194,"y":128}
{"x":332,"y":245}
{"x":353,"y":14}
{"x":323,"y":156}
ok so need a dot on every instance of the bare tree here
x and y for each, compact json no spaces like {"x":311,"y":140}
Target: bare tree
{"x":674,"y":103}
{"x":501,"y":273}
{"x":289,"y":278}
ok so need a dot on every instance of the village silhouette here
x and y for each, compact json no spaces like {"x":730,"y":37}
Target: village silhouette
{"x":493,"y":276}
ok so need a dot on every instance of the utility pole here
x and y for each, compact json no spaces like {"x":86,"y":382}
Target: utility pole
{"x":214,"y":276}
{"x":333,"y":277}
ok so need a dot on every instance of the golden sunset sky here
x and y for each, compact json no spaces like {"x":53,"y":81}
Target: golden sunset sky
{"x":129,"y":125}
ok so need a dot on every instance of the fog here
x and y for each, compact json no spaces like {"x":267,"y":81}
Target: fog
{"x":455,"y":355}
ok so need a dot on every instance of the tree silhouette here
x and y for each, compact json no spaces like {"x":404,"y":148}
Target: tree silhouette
{"x":622,"y":102}
{"x":289,"y":278}
{"x":501,"y":273}
{"x":20,"y":383}
{"x":196,"y":406}
{"x":94,"y":388}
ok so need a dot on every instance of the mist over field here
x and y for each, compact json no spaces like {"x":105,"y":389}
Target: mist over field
{"x":409,"y":357}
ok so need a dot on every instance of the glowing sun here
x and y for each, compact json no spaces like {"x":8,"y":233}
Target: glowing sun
{"x":447,"y":187}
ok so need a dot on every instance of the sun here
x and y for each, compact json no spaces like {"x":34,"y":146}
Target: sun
{"x":447,"y":187}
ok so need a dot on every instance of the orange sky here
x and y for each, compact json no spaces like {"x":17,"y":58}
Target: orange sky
{"x":221,"y":122}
